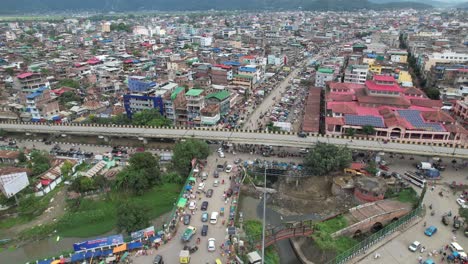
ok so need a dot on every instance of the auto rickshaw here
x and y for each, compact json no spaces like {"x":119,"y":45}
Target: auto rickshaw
{"x":221,"y":212}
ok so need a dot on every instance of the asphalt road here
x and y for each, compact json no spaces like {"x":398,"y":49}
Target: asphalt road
{"x":290,"y":140}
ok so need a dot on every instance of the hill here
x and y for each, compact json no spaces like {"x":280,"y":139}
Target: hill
{"x":40,"y":6}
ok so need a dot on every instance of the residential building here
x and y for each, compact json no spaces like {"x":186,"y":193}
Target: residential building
{"x":356,"y":74}
{"x":243,"y":80}
{"x":41,"y":106}
{"x":445,"y":57}
{"x":399,"y":56}
{"x":222,"y":99}
{"x":221,"y":74}
{"x":195,"y":103}
{"x":460,"y":111}
{"x":324,"y":75}
{"x":29,"y":82}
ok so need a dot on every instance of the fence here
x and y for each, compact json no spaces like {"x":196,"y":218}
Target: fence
{"x":375,"y":238}
{"x":173,"y":218}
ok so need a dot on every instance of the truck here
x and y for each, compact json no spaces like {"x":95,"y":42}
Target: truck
{"x":188,"y":233}
{"x":424,"y":166}
{"x":184,"y":256}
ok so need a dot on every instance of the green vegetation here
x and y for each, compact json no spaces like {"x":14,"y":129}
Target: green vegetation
{"x":407,"y":195}
{"x":39,"y":162}
{"x":372,"y":168}
{"x":120,"y":27}
{"x":68,"y":83}
{"x":142,"y":173}
{"x":368,"y":130}
{"x":271,"y":255}
{"x":70,"y":96}
{"x":132,"y":217}
{"x":186,"y":151}
{"x":324,"y":240}
{"x":253,"y":228}
{"x":92,"y":217}
{"x":463,"y":212}
{"x":150,"y":117}
{"x":325,"y":158}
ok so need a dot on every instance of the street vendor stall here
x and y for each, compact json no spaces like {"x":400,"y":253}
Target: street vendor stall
{"x":182,"y":203}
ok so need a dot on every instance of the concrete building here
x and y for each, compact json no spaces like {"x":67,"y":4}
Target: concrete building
{"x":324,"y":75}
{"x":29,"y":82}
{"x":221,"y":74}
{"x":106,"y":27}
{"x":356,"y":74}
{"x":195,"y":103}
{"x":41,"y":106}
{"x":222,"y":99}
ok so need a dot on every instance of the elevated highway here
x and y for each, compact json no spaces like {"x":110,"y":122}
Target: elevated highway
{"x":426,"y":148}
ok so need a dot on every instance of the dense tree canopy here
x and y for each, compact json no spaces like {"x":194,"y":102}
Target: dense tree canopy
{"x":39,"y":162}
{"x":150,"y":117}
{"x":187,"y":150}
{"x":69,"y":83}
{"x":132,"y":216}
{"x":325,"y":158}
{"x":142,"y":173}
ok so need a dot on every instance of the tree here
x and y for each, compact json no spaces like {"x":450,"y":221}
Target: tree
{"x":368,"y":130}
{"x":150,"y":117}
{"x":350,"y":132}
{"x":69,"y":83}
{"x":66,"y":168}
{"x":185,"y":152}
{"x":325,"y":158}
{"x":372,"y":168}
{"x":10,"y":71}
{"x":142,"y":173}
{"x":132,"y":216}
{"x":433,"y":93}
{"x":28,"y":205}
{"x":22,"y":157}
{"x":40,"y":162}
{"x":69,"y":96}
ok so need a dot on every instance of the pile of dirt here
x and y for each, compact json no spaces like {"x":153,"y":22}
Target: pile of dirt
{"x":310,"y":195}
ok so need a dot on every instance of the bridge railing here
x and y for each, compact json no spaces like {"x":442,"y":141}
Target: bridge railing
{"x":434,"y":143}
{"x":364,"y":245}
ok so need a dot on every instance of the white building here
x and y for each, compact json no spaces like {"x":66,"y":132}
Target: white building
{"x":206,"y":41}
{"x":324,"y":75}
{"x":445,"y":57}
{"x":356,"y":74}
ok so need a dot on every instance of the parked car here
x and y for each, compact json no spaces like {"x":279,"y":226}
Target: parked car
{"x":192,"y":205}
{"x":216,"y":174}
{"x":187,"y":219}
{"x":209,"y":193}
{"x":204,"y":206}
{"x":188,"y":233}
{"x":204,"y":230}
{"x":204,"y":217}
{"x":237,"y":161}
{"x":414,"y":246}
{"x":201,"y":186}
{"x":221,"y":154}
{"x":430,"y":231}
{"x":229,"y":168}
{"x":462,"y":203}
{"x":211,"y":244}
{"x":158,"y":260}
{"x":214,"y":218}
{"x":216,"y":183}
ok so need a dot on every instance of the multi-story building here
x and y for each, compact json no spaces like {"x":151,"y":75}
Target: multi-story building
{"x":195,"y":103}
{"x":324,"y":75}
{"x":445,"y":57}
{"x":144,"y":95}
{"x":460,"y":111}
{"x":243,"y":80}
{"x":356,"y":74}
{"x":398,"y":56}
{"x":41,"y":106}
{"x":173,"y":100}
{"x":222,"y":99}
{"x":29,"y":82}
{"x":221,"y":74}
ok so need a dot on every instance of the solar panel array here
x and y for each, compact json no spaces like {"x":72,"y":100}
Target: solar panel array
{"x":357,"y":120}
{"x":415,"y":119}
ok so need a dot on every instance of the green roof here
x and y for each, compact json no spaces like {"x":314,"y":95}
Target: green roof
{"x":243,"y":76}
{"x":325,"y":70}
{"x":176,"y":92}
{"x":359,"y":45}
{"x":194,"y":92}
{"x":219,"y":95}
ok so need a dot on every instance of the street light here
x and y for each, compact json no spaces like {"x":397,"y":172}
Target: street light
{"x":264,"y":214}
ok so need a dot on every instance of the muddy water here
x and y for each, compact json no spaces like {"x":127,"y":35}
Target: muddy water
{"x":253,"y":209}
{"x":50,"y":247}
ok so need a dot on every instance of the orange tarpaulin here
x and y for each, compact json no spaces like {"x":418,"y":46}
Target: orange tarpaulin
{"x":120,"y":248}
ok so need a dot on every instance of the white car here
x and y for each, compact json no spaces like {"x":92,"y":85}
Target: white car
{"x":462,"y":203}
{"x":414,"y":246}
{"x":201,"y":186}
{"x":216,"y":183}
{"x":192,"y":205}
{"x":220,"y":150}
{"x":221,"y":154}
{"x":229,"y":168}
{"x":211,"y":244}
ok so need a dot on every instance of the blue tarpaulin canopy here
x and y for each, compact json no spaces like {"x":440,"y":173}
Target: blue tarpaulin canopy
{"x":47,"y":261}
{"x":134,"y":245}
{"x":188,"y":187}
{"x":155,"y":238}
{"x":78,"y":257}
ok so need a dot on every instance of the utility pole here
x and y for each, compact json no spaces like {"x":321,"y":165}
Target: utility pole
{"x":264,"y":214}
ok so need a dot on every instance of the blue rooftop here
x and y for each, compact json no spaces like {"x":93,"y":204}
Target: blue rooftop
{"x":357,"y":120}
{"x":37,"y":92}
{"x":231,"y":63}
{"x":247,"y":69}
{"x":415,"y":119}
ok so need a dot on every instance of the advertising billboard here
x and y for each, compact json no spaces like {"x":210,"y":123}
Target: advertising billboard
{"x":12,"y":184}
{"x":99,"y":242}
{"x":142,"y":233}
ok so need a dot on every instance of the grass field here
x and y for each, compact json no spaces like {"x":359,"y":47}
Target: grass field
{"x":95,"y":217}
{"x":324,"y":240}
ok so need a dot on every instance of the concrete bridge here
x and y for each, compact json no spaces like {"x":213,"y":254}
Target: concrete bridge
{"x":243,"y":137}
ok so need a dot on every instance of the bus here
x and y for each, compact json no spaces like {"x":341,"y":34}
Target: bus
{"x":415,"y":179}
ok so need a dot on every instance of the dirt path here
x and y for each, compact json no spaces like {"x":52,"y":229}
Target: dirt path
{"x":56,"y":209}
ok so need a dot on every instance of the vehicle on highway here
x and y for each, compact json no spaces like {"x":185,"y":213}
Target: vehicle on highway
{"x":204,"y":206}
{"x":192,"y":205}
{"x":209,"y":193}
{"x":158,"y":260}
{"x":216,"y":183}
{"x":187,"y":218}
{"x":229,"y":168}
{"x":462,"y":203}
{"x":430,"y":231}
{"x":214,"y":218}
{"x":204,"y":230}
{"x":302,"y":134}
{"x":303,"y":151}
{"x":211,"y":244}
{"x":201,"y":186}
{"x":188,"y":233}
{"x":204,"y":217}
{"x":184,"y":257}
{"x":414,"y":246}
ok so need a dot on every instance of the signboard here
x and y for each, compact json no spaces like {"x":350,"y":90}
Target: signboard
{"x":142,"y":233}
{"x":11,"y":184}
{"x":99,"y":242}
